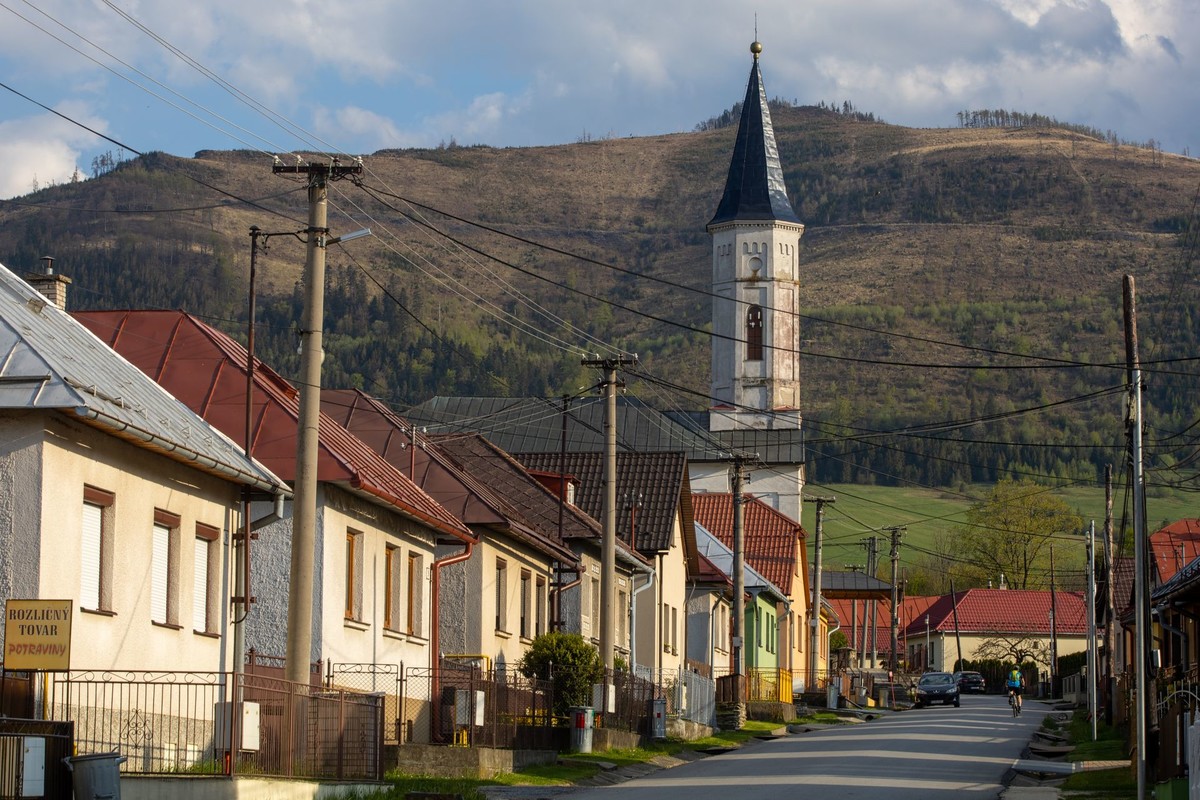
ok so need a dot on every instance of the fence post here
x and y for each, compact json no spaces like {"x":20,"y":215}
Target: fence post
{"x":341,"y":747}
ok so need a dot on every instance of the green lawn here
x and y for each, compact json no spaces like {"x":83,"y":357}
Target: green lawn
{"x":862,"y":511}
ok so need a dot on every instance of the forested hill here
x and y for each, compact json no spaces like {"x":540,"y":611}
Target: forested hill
{"x":933,"y":261}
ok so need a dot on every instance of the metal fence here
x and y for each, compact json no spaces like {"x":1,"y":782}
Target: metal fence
{"x":632,"y":706}
{"x":381,"y":679}
{"x":467,"y":706}
{"x":31,"y":759}
{"x":689,"y":695}
{"x":219,"y":723}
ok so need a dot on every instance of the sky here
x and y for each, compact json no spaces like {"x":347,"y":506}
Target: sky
{"x":357,"y":76}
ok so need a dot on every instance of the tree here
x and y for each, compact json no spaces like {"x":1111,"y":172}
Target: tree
{"x":569,"y":662}
{"x":1015,"y":647}
{"x":1009,"y":533}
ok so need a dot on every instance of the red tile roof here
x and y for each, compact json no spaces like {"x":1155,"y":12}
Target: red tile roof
{"x":770,"y":535}
{"x":850,"y":616}
{"x":1005,"y":611}
{"x":1174,"y":547}
{"x":206,"y":371}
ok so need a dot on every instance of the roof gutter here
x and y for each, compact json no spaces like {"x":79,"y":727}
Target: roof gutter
{"x":206,"y":463}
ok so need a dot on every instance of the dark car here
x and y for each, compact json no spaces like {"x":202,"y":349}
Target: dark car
{"x":937,"y":687}
{"x":970,"y":683}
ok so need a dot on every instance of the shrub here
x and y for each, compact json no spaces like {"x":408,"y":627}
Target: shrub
{"x":569,"y":662}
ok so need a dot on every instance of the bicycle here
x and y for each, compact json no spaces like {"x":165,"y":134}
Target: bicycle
{"x":1012,"y":702}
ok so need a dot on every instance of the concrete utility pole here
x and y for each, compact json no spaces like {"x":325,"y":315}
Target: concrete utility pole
{"x":814,"y":612}
{"x":1053,"y":625}
{"x":736,"y":478}
{"x":1141,"y":590}
{"x":872,"y":545}
{"x":1110,"y":607}
{"x":304,"y":508}
{"x":1091,"y":622}
{"x":896,"y":532}
{"x":608,"y":545}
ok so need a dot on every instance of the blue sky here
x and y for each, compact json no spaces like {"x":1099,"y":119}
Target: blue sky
{"x":357,"y":76}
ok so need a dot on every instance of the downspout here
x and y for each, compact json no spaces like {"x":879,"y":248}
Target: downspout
{"x":633,"y":616}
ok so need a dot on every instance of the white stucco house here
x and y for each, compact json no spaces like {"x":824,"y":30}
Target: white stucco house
{"x":114,"y":496}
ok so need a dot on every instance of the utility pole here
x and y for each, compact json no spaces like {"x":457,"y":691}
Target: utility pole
{"x":608,"y":545}
{"x":896,"y":532}
{"x":814,"y":612}
{"x":304,"y":507}
{"x":1053,"y":625}
{"x":739,"y":570}
{"x":1091,"y":621}
{"x":872,"y":545}
{"x":1110,"y":607}
{"x":1141,"y":590}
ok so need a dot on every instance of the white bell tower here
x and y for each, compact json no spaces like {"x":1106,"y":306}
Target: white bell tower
{"x":756,"y":237}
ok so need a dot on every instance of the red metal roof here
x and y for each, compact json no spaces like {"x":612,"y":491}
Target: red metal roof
{"x":206,"y":371}
{"x":771,"y":537}
{"x":1005,"y":611}
{"x":1174,"y":547}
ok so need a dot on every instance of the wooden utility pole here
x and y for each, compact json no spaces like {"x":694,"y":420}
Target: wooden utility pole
{"x":608,"y":545}
{"x":896,"y":532}
{"x":1053,"y":625}
{"x":304,"y":504}
{"x":869,"y":606}
{"x":1141,"y":590}
{"x":814,"y":611}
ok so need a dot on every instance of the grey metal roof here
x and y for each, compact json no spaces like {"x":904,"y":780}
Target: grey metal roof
{"x":534,"y":425}
{"x":771,"y":445}
{"x":50,"y":362}
{"x":755,"y":189}
{"x":852,"y":584}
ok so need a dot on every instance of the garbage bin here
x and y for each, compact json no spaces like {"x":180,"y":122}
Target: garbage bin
{"x":583,"y":720}
{"x":96,"y":776}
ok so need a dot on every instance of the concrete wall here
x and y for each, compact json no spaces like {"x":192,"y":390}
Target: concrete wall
{"x":201,"y":788}
{"x":467,"y":762}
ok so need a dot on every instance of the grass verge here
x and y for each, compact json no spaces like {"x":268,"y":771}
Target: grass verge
{"x":1106,"y":784}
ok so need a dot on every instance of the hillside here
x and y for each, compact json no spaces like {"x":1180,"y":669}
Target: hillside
{"x":1011,"y":240}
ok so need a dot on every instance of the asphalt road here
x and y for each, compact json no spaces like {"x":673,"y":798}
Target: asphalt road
{"x":924,"y":754}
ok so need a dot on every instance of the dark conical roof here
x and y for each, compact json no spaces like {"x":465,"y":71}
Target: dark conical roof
{"x":754,"y":189}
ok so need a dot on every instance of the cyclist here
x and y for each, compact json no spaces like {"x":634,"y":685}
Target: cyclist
{"x":1015,"y":682}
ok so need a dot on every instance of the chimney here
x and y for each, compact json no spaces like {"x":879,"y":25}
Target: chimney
{"x":52,"y":287}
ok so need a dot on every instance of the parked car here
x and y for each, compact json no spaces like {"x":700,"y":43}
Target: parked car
{"x":970,"y":682}
{"x":937,"y":687}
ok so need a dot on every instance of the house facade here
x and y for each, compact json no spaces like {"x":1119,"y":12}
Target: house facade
{"x":377,"y":533}
{"x":115,"y":498}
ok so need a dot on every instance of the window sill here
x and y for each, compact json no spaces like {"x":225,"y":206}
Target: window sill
{"x":100,"y":612}
{"x":503,"y":634}
{"x":416,"y":638}
{"x":168,"y":625}
{"x":355,"y":625}
{"x":207,"y":634}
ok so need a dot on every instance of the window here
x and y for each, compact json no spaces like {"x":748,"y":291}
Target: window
{"x":164,"y":569}
{"x":674,"y":630}
{"x":354,"y":575}
{"x":95,"y":557}
{"x":595,"y":587}
{"x":204,"y":579}
{"x":391,"y":587}
{"x":526,"y":599}
{"x":413,"y":608}
{"x":501,"y":594}
{"x":539,"y":612}
{"x":754,"y":333}
{"x":622,"y":618}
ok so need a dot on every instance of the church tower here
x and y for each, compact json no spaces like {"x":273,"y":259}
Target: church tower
{"x":755,"y":238}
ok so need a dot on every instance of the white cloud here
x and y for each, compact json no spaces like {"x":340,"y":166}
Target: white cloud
{"x":44,"y":149}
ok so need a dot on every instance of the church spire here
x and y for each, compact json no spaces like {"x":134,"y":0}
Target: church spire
{"x":754,"y":189}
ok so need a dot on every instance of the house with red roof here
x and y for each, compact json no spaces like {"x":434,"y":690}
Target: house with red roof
{"x":377,"y":531}
{"x":1005,"y":624}
{"x":775,"y":548}
{"x":1173,"y":547}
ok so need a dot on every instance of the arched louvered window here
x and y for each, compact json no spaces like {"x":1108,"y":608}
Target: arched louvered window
{"x":754,"y":333}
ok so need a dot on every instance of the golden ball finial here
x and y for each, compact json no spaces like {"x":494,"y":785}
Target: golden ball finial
{"x":756,"y":48}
